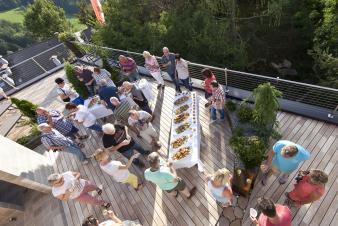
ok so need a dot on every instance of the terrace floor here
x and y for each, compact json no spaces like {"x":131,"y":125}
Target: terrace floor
{"x":154,"y":207}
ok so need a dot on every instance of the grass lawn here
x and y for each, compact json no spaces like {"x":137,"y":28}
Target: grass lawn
{"x":13,"y":15}
{"x":16,"y":16}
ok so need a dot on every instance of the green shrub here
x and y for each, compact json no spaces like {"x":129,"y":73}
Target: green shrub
{"x":231,"y":106}
{"x":34,"y":132}
{"x":251,"y":150}
{"x":77,"y":84}
{"x":26,"y":108}
{"x":113,"y":71}
{"x":266,"y":105}
{"x":244,"y":113}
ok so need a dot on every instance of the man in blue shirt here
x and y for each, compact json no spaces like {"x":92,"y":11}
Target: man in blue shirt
{"x":166,"y":178}
{"x":168,"y":60}
{"x":284,"y":157}
{"x":106,"y":92}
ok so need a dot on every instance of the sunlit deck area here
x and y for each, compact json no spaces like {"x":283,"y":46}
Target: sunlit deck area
{"x":151,"y":206}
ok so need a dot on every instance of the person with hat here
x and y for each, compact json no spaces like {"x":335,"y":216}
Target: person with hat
{"x":70,"y":186}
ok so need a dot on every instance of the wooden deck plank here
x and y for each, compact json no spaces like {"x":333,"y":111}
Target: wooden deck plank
{"x":155,"y":207}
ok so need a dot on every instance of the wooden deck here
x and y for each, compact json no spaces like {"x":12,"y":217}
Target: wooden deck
{"x":154,"y":207}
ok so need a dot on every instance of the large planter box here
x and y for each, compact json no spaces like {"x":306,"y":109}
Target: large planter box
{"x":243,"y":179}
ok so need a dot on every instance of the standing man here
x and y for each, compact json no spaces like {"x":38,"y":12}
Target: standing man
{"x":66,"y":93}
{"x":284,"y":157}
{"x":54,"y":140}
{"x":166,"y":178}
{"x":310,"y":186}
{"x":169,"y":62}
{"x":122,"y":108}
{"x":137,"y":96}
{"x":129,"y":68}
{"x":86,"y":75}
{"x":57,"y":121}
{"x":116,"y":138}
{"x":140,"y":122}
{"x":106,"y":92}
{"x":272,"y":214}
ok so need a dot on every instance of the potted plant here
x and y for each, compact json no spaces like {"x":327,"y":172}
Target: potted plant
{"x":250,"y":152}
{"x":28,"y":109}
{"x":265,"y":110}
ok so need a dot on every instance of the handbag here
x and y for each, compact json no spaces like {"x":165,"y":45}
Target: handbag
{"x":67,"y":99}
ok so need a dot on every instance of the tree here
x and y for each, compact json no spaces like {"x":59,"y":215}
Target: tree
{"x":26,"y":107}
{"x":86,"y":14}
{"x":43,"y":19}
{"x":78,"y":85}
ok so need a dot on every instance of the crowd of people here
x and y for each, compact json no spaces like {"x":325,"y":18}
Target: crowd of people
{"x":132,"y":117}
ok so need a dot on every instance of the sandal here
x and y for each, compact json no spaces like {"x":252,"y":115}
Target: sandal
{"x":192,"y":192}
{"x":106,"y":205}
{"x":139,"y":186}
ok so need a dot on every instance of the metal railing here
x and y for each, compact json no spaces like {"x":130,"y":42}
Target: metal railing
{"x":294,"y":91}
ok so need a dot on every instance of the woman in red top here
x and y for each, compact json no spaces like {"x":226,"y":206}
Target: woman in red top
{"x":208,"y":78}
{"x":310,"y":187}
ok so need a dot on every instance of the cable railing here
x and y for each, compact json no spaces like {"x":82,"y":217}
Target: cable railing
{"x":294,"y":91}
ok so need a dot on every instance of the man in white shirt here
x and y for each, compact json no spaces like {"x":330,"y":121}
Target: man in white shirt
{"x":140,"y":122}
{"x":182,"y":71}
{"x":5,"y":71}
{"x":69,"y":185}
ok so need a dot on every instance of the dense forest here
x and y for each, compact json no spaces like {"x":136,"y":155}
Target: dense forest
{"x":270,"y":37}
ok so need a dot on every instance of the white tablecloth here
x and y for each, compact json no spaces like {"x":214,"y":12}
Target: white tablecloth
{"x":99,"y":110}
{"x":195,"y":135}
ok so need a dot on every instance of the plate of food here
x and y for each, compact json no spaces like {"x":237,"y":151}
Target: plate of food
{"x":182,"y":128}
{"x":181,"y":100}
{"x":181,"y":117}
{"x":181,"y":109}
{"x":181,"y":153}
{"x":179,"y":142}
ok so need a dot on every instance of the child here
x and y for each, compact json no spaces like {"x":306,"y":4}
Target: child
{"x":208,"y":78}
{"x":217,"y":100}
{"x":117,"y":170}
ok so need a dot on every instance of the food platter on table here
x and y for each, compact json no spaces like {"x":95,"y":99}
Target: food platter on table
{"x":183,"y":127}
{"x":181,"y":153}
{"x":178,"y":142}
{"x":181,"y":117}
{"x":181,"y":100}
{"x":182,"y":109}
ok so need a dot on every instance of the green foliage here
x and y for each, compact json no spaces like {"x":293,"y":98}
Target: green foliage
{"x":231,"y":106}
{"x":43,"y":19}
{"x":12,"y":37}
{"x":244,"y":113}
{"x":86,"y":14}
{"x":11,"y":4}
{"x":78,"y":85}
{"x":66,"y":36}
{"x":33,"y":133}
{"x":251,"y":150}
{"x":266,"y":105}
{"x":26,"y":108}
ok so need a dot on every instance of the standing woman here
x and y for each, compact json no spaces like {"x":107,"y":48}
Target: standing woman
{"x":153,"y":67}
{"x":219,"y":185}
{"x":208,"y":78}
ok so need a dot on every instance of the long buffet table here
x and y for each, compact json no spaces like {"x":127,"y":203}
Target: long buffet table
{"x":184,"y":149}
